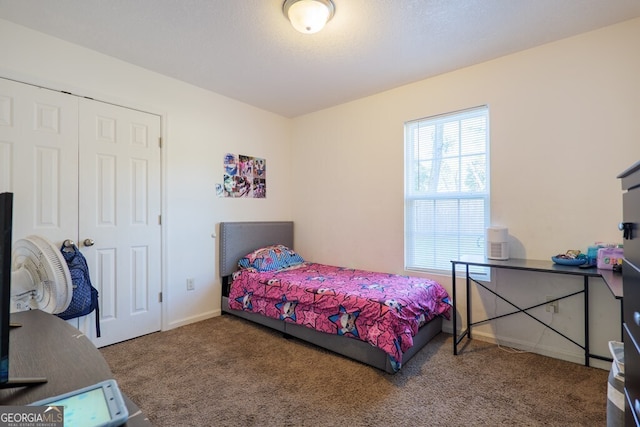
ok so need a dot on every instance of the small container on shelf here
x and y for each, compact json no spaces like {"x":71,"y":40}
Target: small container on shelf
{"x":608,"y":258}
{"x":592,"y":254}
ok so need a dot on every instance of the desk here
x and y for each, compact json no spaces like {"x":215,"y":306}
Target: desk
{"x":47,"y":346}
{"x":612,"y":280}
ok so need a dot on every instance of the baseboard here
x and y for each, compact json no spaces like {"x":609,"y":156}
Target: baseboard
{"x":570,"y":356}
{"x":193,"y":319}
{"x":574,"y":357}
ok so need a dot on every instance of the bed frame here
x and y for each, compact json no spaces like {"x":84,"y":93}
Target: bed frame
{"x":239,"y":238}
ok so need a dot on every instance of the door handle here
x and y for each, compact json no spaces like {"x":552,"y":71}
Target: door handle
{"x":627,"y":230}
{"x":88,"y":242}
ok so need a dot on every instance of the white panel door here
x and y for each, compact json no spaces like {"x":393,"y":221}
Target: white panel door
{"x":120,"y":210}
{"x":81,"y":169}
{"x":39,"y":159}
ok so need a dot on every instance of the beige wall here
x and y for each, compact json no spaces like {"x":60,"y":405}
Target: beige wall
{"x":199,"y":127}
{"x":564,"y":123}
{"x":565,"y":120}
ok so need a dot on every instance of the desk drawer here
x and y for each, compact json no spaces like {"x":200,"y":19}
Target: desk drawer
{"x":629,"y":418}
{"x":632,"y":373}
{"x":631,"y":291}
{"x":631,"y":214}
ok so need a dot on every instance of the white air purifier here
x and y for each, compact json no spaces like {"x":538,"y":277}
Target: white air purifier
{"x":498,"y":243}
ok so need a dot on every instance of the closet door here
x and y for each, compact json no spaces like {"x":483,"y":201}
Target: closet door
{"x":81,"y":169}
{"x":39,"y":159}
{"x":119,"y":220}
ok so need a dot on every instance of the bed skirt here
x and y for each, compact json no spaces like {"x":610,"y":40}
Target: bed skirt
{"x":349,"y":347}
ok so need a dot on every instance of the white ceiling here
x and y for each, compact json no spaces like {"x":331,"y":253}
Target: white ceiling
{"x":247,"y":50}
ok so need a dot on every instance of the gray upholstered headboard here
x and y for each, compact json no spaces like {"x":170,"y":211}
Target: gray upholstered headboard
{"x":239,"y":238}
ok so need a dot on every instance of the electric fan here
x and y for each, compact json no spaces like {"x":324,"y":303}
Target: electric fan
{"x":40,"y":278}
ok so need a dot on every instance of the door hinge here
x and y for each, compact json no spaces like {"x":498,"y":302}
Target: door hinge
{"x":159,"y":296}
{"x":159,"y":219}
{"x":160,"y":141}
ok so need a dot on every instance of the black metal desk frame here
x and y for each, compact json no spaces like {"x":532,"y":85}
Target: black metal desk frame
{"x":611,"y":279}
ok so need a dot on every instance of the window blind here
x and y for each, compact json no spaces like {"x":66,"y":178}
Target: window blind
{"x":446,"y":188}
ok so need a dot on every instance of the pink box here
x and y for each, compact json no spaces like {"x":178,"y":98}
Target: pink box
{"x":608,"y":257}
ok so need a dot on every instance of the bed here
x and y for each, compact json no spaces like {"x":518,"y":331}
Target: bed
{"x":282,"y":297}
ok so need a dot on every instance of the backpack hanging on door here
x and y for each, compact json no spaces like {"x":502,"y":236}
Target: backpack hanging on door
{"x":85,"y":297}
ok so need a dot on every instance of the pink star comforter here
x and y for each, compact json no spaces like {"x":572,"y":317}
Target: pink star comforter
{"x":384,"y":310}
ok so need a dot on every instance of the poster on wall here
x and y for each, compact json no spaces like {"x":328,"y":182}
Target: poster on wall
{"x":244,"y":176}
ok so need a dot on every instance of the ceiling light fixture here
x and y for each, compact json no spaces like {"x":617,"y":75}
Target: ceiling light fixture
{"x":308,"y":16}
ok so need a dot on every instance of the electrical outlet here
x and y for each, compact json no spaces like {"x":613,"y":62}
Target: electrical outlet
{"x":552,"y":307}
{"x":191,"y":284}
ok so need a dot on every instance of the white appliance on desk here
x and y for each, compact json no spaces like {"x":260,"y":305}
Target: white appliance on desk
{"x":497,"y":243}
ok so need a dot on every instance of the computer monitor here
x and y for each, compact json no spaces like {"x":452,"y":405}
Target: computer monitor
{"x":6,"y":218}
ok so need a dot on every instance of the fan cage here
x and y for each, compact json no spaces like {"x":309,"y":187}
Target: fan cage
{"x":51,"y":286}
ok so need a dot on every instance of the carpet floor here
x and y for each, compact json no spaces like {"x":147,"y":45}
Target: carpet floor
{"x":226,"y":371}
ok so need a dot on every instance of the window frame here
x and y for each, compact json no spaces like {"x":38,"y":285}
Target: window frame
{"x":411,"y":196}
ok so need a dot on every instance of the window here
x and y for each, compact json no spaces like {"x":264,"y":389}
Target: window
{"x":446,"y":188}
